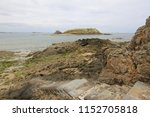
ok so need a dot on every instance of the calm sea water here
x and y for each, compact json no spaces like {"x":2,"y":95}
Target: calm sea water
{"x":39,"y":41}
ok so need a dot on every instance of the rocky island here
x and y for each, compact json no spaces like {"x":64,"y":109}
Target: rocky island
{"x":83,"y":31}
{"x":85,"y":69}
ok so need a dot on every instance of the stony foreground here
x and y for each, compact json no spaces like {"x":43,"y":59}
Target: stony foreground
{"x":85,"y":69}
{"x":79,"y":89}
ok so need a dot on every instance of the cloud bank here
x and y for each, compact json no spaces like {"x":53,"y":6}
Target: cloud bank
{"x":50,"y":15}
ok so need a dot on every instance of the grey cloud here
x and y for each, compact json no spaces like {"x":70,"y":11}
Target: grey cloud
{"x":108,"y":15}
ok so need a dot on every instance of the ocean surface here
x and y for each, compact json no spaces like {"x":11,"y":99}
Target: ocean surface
{"x":40,"y":41}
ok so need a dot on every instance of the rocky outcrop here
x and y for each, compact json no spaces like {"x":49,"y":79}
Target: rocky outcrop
{"x":83,"y":31}
{"x":58,"y":32}
{"x":119,"y":67}
{"x":129,"y":63}
{"x":71,"y":60}
{"x":140,"y":47}
{"x":142,"y":36}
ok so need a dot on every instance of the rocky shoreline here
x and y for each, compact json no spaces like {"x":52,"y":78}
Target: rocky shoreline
{"x":84,"y":69}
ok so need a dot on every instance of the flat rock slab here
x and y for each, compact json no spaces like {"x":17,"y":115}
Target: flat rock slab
{"x":72,"y":85}
{"x":73,"y":88}
{"x":106,"y":92}
{"x":140,"y":91}
{"x":79,"y":91}
{"x":53,"y":85}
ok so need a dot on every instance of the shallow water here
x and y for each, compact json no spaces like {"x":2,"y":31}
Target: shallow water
{"x":39,"y":41}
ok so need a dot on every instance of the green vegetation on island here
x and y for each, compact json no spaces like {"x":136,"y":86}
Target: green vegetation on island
{"x":83,"y":31}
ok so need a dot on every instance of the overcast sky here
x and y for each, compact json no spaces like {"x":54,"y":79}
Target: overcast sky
{"x":51,"y":15}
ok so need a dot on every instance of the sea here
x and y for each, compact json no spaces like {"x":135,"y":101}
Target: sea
{"x":39,"y":41}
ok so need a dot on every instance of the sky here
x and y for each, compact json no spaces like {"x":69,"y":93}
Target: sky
{"x":123,"y":16}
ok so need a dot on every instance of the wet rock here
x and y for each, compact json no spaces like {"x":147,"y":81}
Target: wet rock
{"x":58,"y":32}
{"x":83,"y":42}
